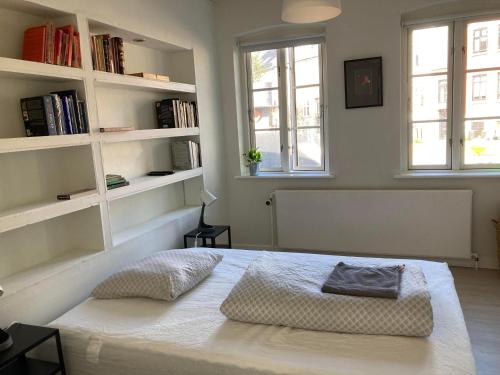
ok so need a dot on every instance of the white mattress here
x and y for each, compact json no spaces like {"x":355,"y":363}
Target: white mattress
{"x":190,"y":336}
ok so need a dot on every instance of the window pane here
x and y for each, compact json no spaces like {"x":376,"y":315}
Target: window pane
{"x":266,"y":109}
{"x":307,"y":65}
{"x":482,"y":44}
{"x":268,"y":142}
{"x":429,"y":98}
{"x":264,"y":69}
{"x":482,"y":142}
{"x":430,"y":50}
{"x":309,"y":148}
{"x":482,"y":94}
{"x":429,"y":144}
{"x":308,"y":106}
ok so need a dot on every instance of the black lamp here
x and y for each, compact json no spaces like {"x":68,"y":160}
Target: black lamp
{"x":5,"y":339}
{"x":207,"y":199}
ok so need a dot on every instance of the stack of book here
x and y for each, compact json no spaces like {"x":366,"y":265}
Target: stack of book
{"x":176,"y":113}
{"x":107,"y":53}
{"x":114,"y":181}
{"x":59,"y":113}
{"x":53,"y":45}
{"x":186,"y":155}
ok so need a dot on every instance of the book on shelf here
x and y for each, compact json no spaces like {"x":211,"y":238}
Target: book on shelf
{"x":73,"y":195}
{"x":56,"y":114}
{"x":154,"y":76}
{"x":51,"y":45}
{"x":176,"y":113}
{"x":186,"y":155}
{"x":107,"y":53}
{"x":116,"y":129}
{"x":38,"y":116}
{"x":114,"y":181}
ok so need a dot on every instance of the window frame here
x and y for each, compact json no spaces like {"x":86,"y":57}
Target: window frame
{"x":289,"y":165}
{"x":457,"y":64}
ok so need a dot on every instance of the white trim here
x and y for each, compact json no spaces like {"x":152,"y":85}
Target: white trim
{"x":282,"y":43}
{"x":456,"y":17}
{"x":477,"y":173}
{"x":279,"y":176}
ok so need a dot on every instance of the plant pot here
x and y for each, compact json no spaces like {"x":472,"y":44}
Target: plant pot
{"x":254,"y":169}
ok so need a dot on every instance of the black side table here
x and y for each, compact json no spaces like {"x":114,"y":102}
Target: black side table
{"x":13,"y":361}
{"x":218,"y":230}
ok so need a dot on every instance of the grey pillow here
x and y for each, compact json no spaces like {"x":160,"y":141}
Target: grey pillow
{"x":164,"y":275}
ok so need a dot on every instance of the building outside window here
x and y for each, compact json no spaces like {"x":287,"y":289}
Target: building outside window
{"x":480,"y":40}
{"x":479,"y":86}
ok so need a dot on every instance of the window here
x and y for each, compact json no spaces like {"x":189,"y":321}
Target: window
{"x":443,"y":91}
{"x":285,"y":93}
{"x":479,"y":88}
{"x":480,"y":40}
{"x":441,"y":78}
{"x":498,"y":86}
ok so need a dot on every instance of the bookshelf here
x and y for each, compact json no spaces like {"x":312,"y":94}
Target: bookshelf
{"x":41,"y":236}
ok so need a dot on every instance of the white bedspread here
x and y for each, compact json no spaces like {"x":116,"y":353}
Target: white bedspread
{"x":191,"y":336}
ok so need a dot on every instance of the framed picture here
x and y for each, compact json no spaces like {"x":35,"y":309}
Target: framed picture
{"x":363,"y":83}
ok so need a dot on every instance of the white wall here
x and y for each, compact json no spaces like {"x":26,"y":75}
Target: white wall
{"x":189,"y":23}
{"x":364,"y":143}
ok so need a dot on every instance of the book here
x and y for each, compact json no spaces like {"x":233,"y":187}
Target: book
{"x":73,"y":195}
{"x":76,"y":56}
{"x":74,"y":110}
{"x":107,"y":53}
{"x":154,"y":76}
{"x":82,"y":106}
{"x":68,"y":38}
{"x":38,"y":116}
{"x":58,"y":114}
{"x":186,"y":155}
{"x":176,"y":113}
{"x":165,"y":114}
{"x":116,"y":129}
{"x":68,"y":120}
{"x":124,"y":183}
{"x":34,"y":45}
{"x":58,"y":40}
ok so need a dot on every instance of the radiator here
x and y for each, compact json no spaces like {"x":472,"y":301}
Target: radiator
{"x":412,"y":223}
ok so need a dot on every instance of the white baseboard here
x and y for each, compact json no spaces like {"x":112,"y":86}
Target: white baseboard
{"x":484,"y":262}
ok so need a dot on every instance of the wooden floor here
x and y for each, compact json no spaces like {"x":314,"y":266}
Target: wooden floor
{"x":479,"y":293}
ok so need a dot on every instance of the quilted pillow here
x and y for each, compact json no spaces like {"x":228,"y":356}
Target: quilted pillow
{"x":287,"y":292}
{"x":164,"y":275}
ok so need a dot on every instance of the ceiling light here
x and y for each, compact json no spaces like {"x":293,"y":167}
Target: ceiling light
{"x":309,"y":11}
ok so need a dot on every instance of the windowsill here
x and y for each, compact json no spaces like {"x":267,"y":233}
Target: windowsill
{"x":484,"y":173}
{"x":278,"y":176}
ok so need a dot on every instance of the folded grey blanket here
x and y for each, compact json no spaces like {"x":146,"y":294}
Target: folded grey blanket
{"x":279,"y":290}
{"x":381,"y":282}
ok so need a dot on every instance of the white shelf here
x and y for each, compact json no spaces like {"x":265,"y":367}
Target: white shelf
{"x":141,"y":229}
{"x":15,"y":68}
{"x":145,"y":183}
{"x":18,"y":281}
{"x":31,"y":214}
{"x":41,"y":143}
{"x":138,"y":135}
{"x":121,"y":80}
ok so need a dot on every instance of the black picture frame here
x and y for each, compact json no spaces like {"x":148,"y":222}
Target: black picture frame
{"x":363,"y":83}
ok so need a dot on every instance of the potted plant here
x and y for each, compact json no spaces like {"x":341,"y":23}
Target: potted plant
{"x":253,"y":157}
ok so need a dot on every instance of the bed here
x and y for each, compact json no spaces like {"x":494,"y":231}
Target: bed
{"x":191,"y":336}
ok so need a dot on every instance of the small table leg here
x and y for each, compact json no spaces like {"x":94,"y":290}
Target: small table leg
{"x":213,"y":241}
{"x":60,"y":354}
{"x":185,"y":242}
{"x":204,"y":242}
{"x":229,"y":237}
